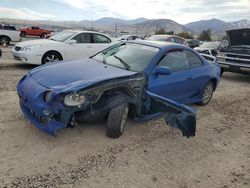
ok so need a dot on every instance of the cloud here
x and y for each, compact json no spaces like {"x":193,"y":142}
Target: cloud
{"x":23,"y":13}
{"x":182,"y":11}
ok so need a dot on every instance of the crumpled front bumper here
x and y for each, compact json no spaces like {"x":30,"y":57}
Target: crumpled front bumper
{"x":45,"y":117}
{"x":42,"y":122}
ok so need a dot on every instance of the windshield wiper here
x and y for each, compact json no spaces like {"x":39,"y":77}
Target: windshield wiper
{"x":123,"y":62}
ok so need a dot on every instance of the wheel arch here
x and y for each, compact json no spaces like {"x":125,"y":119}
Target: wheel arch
{"x":108,"y":99}
{"x":214,"y":81}
{"x":6,"y":37}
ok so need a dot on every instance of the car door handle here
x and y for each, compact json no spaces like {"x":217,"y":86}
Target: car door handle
{"x":189,"y":78}
{"x":89,"y":46}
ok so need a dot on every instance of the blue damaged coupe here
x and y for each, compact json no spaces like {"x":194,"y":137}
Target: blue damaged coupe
{"x":145,"y":79}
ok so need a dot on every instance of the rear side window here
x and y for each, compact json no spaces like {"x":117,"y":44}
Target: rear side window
{"x":193,"y":59}
{"x":170,"y":39}
{"x":9,"y":27}
{"x":100,"y":39}
{"x":131,"y":38}
{"x":35,"y":28}
{"x":179,"y":41}
{"x":175,"y":61}
{"x":82,"y":38}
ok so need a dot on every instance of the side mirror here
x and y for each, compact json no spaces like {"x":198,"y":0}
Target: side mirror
{"x":163,"y":70}
{"x":71,"y":42}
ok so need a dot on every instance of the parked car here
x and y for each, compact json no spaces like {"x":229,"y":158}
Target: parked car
{"x":209,"y":48}
{"x":34,"y":31}
{"x":66,"y":45}
{"x":144,"y":78}
{"x":8,"y":34}
{"x":51,"y":34}
{"x":193,"y":43}
{"x":236,"y":56}
{"x":7,"y":27}
{"x":168,"y":38}
{"x":128,"y":37}
{"x":0,"y":53}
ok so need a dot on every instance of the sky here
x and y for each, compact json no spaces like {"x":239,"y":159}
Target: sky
{"x":181,"y":11}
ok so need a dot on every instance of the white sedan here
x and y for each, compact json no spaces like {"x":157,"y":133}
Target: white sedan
{"x":66,"y":45}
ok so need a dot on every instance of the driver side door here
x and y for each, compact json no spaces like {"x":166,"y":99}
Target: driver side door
{"x":81,"y":49}
{"x":176,"y":85}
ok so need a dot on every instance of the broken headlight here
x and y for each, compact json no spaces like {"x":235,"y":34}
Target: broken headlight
{"x":74,"y":99}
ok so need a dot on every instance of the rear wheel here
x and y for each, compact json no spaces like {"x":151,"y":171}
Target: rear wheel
{"x":117,"y":120}
{"x":207,"y":93}
{"x":23,"y":34}
{"x":222,"y":70}
{"x":43,"y":36}
{"x":51,"y":57}
{"x":4,"y":41}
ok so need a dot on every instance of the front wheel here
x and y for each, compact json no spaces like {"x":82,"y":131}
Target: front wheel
{"x":43,"y":36}
{"x":4,"y":41}
{"x":51,"y":57}
{"x":117,"y":120}
{"x":207,"y":93}
{"x":23,"y":34}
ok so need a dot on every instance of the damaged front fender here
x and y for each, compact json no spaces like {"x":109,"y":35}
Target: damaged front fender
{"x":178,"y":115}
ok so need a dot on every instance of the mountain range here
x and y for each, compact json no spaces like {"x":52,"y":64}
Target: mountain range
{"x":217,"y":26}
{"x":139,"y":25}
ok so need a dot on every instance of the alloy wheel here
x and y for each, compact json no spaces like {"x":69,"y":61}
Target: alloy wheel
{"x":208,"y":92}
{"x":51,"y":58}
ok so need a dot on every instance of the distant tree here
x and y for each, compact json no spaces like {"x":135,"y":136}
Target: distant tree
{"x":163,"y":32}
{"x":205,"y":35}
{"x":160,"y":31}
{"x":185,"y":35}
{"x":170,"y":33}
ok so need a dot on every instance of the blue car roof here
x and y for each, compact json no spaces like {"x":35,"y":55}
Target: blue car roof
{"x":157,"y":44}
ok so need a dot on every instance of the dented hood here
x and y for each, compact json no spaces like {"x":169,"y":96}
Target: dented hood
{"x":80,"y":73}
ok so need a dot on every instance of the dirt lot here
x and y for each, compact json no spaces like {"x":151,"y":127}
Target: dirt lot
{"x":147,"y":155}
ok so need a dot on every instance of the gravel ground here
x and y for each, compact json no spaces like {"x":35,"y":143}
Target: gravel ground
{"x":147,"y":155}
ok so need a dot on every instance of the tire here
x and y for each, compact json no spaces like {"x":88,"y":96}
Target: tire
{"x":222,"y":71}
{"x":207,"y":93}
{"x":4,"y":41}
{"x":43,"y":36}
{"x":51,"y":57}
{"x":22,"y":34}
{"x":117,"y":120}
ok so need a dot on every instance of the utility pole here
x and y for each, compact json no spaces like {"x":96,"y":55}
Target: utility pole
{"x":116,"y":29}
{"x":92,"y":25}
